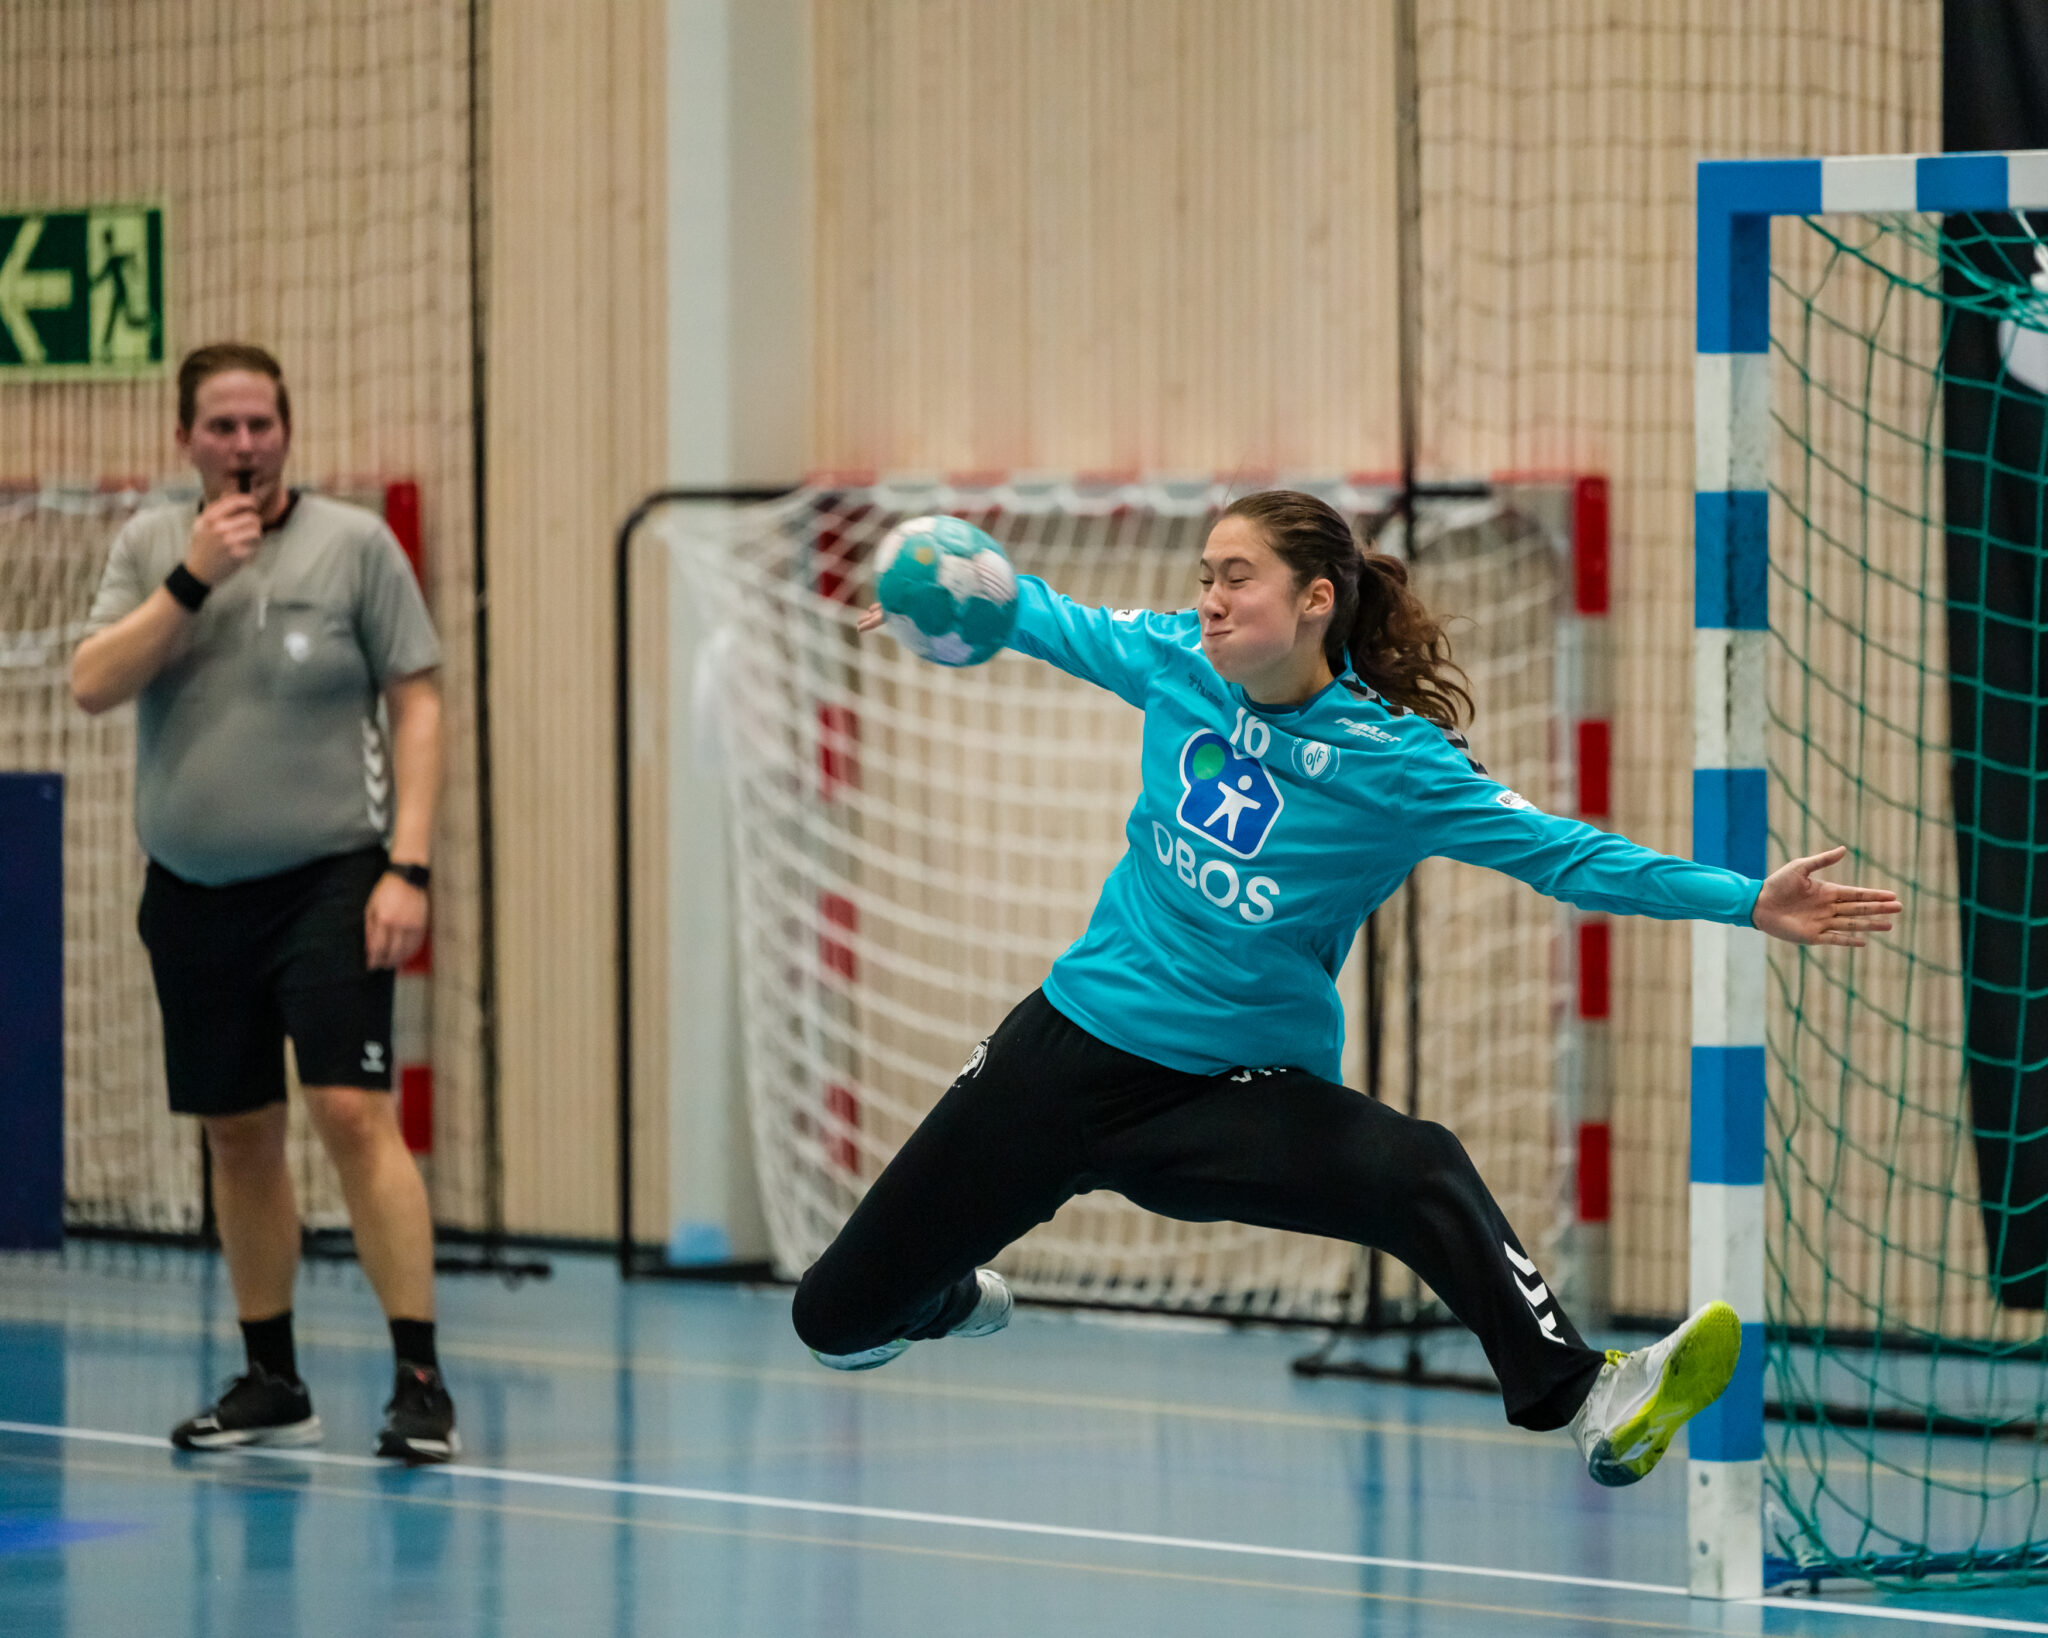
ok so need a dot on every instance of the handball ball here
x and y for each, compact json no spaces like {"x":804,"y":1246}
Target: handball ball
{"x":947,"y":592}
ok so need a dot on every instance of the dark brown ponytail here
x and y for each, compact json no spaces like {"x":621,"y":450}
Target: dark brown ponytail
{"x":1396,"y":646}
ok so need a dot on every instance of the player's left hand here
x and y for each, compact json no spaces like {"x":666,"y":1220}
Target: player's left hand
{"x":870,"y":618}
{"x":394,"y":922}
{"x":1800,"y":908}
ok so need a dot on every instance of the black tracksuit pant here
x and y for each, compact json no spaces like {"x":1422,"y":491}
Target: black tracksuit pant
{"x":1047,"y":1111}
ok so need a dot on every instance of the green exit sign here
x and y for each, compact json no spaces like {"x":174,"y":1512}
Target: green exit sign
{"x":81,"y":292}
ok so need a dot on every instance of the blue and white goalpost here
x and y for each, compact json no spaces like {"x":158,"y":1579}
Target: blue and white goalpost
{"x":1737,"y":200}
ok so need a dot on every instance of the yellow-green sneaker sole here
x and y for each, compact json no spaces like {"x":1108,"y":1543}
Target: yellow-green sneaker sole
{"x":1695,"y":1375}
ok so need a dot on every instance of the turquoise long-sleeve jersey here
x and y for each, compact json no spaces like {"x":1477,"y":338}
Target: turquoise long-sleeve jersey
{"x":1265,"y":835}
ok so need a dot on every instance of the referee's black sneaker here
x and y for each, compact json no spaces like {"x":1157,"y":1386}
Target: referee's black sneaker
{"x":419,"y":1423}
{"x":257,"y":1408}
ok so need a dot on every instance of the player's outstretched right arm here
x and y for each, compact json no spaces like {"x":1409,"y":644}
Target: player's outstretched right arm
{"x":140,"y":628}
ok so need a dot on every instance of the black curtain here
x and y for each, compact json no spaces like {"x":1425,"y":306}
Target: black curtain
{"x":1995,"y":96}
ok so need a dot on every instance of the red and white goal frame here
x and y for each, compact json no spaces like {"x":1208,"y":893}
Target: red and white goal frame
{"x":818,"y":1102}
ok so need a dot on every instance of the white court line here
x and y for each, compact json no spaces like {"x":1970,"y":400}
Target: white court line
{"x":1892,"y":1612}
{"x":896,"y":1515}
{"x":888,"y":1386}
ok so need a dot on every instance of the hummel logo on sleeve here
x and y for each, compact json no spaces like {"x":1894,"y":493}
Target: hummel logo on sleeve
{"x":1463,"y":747}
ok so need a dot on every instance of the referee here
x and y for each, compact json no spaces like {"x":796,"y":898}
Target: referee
{"x":257,"y":635}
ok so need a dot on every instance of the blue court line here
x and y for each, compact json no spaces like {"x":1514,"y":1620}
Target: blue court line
{"x":895,"y":1515}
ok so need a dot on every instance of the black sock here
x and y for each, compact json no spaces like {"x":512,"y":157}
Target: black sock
{"x":953,"y":1306}
{"x":413,"y":1342}
{"x":269,"y":1342}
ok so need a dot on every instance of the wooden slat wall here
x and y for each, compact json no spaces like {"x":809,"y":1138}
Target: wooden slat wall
{"x":313,"y":161}
{"x":1558,"y":149}
{"x":1105,"y":234}
{"x":1143,"y":233}
{"x":315,"y":158}
{"x":577,"y":432}
{"x":1066,"y":233}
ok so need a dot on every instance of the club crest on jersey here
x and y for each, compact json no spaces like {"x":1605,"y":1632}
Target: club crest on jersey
{"x":1315,"y":761}
{"x":1229,"y":798}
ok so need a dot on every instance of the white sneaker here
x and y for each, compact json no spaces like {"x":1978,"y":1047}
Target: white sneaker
{"x":866,"y":1360}
{"x":1640,"y":1400}
{"x":990,"y":1313}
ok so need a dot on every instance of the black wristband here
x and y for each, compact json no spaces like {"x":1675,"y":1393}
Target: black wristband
{"x":186,"y":587}
{"x":418,"y":875}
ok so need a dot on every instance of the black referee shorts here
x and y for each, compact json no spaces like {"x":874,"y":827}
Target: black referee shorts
{"x":238,"y":968}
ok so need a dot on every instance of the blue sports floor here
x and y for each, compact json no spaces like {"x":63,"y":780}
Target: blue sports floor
{"x":665,"y":1459}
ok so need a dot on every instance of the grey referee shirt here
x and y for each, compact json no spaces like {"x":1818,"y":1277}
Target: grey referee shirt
{"x":259,"y":746}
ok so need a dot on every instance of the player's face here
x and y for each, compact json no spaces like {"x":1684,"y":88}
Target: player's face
{"x":236,"y":428}
{"x":1258,"y":627}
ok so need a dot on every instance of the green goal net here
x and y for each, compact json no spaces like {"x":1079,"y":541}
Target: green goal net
{"x":1907,"y":716}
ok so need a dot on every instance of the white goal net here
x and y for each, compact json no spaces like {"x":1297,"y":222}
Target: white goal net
{"x":913,"y":847}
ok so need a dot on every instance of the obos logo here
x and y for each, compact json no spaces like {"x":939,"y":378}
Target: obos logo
{"x":1315,"y":761}
{"x":1230,"y":798}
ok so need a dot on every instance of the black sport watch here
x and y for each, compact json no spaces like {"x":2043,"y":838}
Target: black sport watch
{"x":417,"y":875}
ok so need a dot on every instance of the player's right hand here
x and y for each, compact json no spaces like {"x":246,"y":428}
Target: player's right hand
{"x":870,"y":618}
{"x":225,"y":535}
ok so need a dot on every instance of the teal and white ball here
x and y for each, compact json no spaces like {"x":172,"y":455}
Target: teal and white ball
{"x":948,"y":593}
